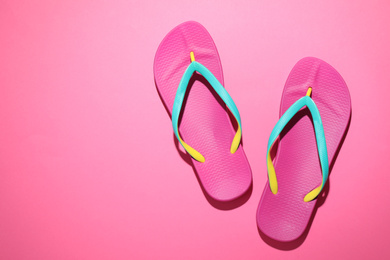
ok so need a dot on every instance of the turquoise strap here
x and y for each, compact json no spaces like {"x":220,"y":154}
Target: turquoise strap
{"x":320,"y":138}
{"x":219,"y":89}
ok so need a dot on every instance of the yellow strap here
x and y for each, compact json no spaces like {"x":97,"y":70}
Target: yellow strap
{"x":273,"y":182}
{"x":194,"y":153}
{"x":192,"y":56}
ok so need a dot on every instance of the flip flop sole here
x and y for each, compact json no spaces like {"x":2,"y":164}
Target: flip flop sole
{"x":205,"y":122}
{"x":284,"y":216}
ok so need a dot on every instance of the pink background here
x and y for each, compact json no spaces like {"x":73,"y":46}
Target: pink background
{"x":88,"y":165}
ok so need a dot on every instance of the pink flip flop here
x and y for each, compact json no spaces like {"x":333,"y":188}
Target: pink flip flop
{"x":308,"y":137}
{"x":189,"y":79}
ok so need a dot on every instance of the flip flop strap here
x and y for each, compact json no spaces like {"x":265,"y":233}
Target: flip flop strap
{"x":219,"y":89}
{"x":320,"y":138}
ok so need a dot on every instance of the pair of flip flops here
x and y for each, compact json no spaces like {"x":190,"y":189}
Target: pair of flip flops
{"x":314,"y":114}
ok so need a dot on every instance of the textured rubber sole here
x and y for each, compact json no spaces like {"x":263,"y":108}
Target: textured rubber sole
{"x":284,"y":216}
{"x":205,"y":124}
